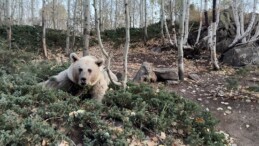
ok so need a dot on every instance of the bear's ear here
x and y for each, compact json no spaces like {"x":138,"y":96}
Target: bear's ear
{"x":73,"y":57}
{"x":99,"y":62}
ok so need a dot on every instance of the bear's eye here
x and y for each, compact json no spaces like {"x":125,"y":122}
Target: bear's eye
{"x":89,"y":70}
{"x":80,"y":69}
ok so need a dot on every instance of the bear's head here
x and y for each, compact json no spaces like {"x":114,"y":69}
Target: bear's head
{"x":85,"y":71}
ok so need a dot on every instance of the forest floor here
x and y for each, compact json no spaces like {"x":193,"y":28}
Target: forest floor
{"x":224,"y":93}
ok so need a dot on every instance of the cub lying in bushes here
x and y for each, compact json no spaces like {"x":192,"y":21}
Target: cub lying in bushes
{"x":86,"y":73}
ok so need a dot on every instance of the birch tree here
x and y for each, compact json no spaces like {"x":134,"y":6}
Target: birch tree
{"x":9,"y":24}
{"x":86,"y":27}
{"x":173,"y":8}
{"x":180,"y":47}
{"x":97,"y":27}
{"x":32,"y":11}
{"x":238,"y":36}
{"x":200,"y":25}
{"x":186,"y":22}
{"x":74,"y":25}
{"x":162,"y":21}
{"x":145,"y":27}
{"x":68,"y":27}
{"x":44,"y":30}
{"x":101,"y":15}
{"x":126,"y":48}
{"x":214,"y":60}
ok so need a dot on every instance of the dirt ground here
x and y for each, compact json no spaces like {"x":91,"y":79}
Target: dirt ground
{"x":237,"y":110}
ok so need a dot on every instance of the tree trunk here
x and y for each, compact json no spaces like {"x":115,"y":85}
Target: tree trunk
{"x":97,"y":26}
{"x":141,"y":13}
{"x":86,"y":27}
{"x":214,"y":60}
{"x":200,"y":26}
{"x":162,"y":22}
{"x":186,"y":23}
{"x":53,"y":14}
{"x":180,"y":48}
{"x":125,"y":53}
{"x":44,"y":30}
{"x":101,"y":15}
{"x":68,"y":27}
{"x":145,"y":28}
{"x":248,"y":30}
{"x":241,"y":15}
{"x":206,"y":17}
{"x":173,"y":23}
{"x":74,"y":26}
{"x":32,"y":12}
{"x":116,"y":13}
{"x":9,"y":24}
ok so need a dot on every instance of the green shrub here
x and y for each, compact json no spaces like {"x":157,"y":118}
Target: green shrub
{"x":30,"y":115}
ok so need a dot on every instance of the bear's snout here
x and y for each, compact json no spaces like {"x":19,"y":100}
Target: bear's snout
{"x":83,"y":81}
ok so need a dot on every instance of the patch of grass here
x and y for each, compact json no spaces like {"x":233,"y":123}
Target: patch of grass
{"x":232,"y":83}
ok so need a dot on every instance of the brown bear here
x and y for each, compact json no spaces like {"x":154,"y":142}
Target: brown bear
{"x":85,"y":73}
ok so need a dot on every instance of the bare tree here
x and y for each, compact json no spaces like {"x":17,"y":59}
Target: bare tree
{"x":9,"y":24}
{"x":126,"y":48}
{"x":180,"y":48}
{"x":162,"y":21}
{"x":97,"y":27}
{"x":74,"y":25}
{"x":44,"y":30}
{"x":173,"y":8}
{"x":145,"y":27}
{"x":68,"y":27}
{"x":186,"y":22}
{"x":206,"y":17}
{"x":86,"y":27}
{"x":238,"y":36}
{"x":101,"y":15}
{"x":200,"y":26}
{"x":214,"y":60}
{"x":32,"y":11}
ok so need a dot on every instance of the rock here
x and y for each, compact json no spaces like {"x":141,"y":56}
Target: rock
{"x":247,"y":126}
{"x":241,"y":55}
{"x":194,"y":77}
{"x":171,"y":82}
{"x":166,"y":74}
{"x":229,"y":107}
{"x":183,"y":90}
{"x":145,"y":73}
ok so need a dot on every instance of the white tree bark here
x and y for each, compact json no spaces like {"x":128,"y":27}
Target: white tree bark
{"x":141,"y":14}
{"x":173,"y":22}
{"x":145,"y":27}
{"x":162,"y":21}
{"x":249,"y":28}
{"x":125,"y":53}
{"x":97,"y":27}
{"x":68,"y":27}
{"x":200,"y":26}
{"x":32,"y":11}
{"x":116,"y":14}
{"x":256,"y":34}
{"x":101,"y":15}
{"x":186,"y":22}
{"x":180,"y":48}
{"x":213,"y":37}
{"x":242,"y":22}
{"x":9,"y":24}
{"x":44,"y":30}
{"x":86,"y":27}
{"x":74,"y":25}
